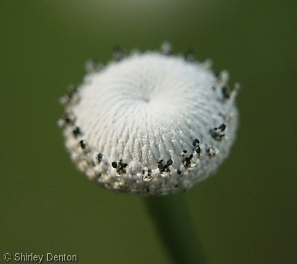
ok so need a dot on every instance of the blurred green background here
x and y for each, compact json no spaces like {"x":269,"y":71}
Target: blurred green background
{"x":245,"y":214}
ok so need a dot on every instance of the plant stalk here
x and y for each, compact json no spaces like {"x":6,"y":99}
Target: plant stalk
{"x":171,"y":218}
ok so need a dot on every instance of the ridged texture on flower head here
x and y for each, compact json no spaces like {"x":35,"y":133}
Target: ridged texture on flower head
{"x":150,"y":123}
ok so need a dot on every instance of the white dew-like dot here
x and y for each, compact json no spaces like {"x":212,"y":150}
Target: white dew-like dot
{"x":150,"y":123}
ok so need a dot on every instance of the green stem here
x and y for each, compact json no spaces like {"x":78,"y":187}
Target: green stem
{"x":174,"y":226}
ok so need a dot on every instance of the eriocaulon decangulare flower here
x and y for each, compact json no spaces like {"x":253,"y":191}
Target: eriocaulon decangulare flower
{"x":150,"y":123}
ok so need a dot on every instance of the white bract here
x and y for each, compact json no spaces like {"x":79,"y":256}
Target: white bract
{"x":150,"y":123}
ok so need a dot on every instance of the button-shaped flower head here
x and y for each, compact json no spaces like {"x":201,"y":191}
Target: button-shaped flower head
{"x":150,"y":123}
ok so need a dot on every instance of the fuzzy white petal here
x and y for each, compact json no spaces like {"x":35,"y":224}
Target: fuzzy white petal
{"x":158,"y":123}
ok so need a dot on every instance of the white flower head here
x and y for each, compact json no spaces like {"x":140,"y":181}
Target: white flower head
{"x":150,"y":123}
